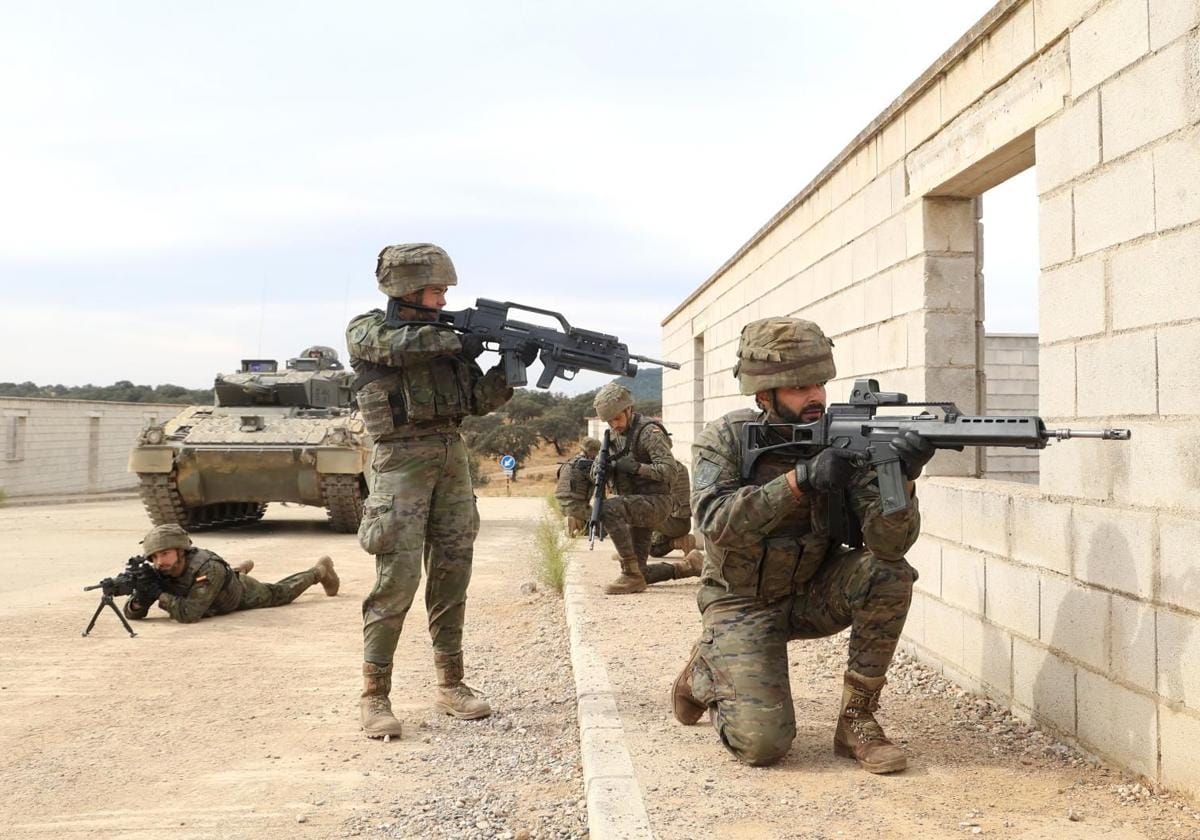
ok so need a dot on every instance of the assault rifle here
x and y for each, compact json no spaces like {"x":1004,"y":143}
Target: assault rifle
{"x":856,"y":426}
{"x":595,"y":528}
{"x":561,"y":352}
{"x":138,"y":571}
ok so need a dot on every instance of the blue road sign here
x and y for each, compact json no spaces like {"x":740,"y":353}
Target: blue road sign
{"x":508,"y":462}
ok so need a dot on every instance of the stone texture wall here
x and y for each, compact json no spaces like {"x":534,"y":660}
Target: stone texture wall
{"x":70,"y":446}
{"x":1010,"y":366}
{"x":1077,"y":600}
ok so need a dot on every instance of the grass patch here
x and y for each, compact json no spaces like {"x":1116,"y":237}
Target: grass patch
{"x":552,"y":503}
{"x":551,"y":545}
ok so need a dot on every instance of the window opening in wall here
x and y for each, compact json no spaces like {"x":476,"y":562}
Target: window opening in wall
{"x":14,"y":449}
{"x":697,"y":386}
{"x":1007,"y":270}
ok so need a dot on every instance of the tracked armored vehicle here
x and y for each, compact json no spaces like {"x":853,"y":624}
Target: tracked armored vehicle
{"x":272,"y":435}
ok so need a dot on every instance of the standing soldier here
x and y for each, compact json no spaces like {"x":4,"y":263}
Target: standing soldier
{"x":415,"y":384}
{"x":643,"y":469}
{"x":574,"y":485}
{"x":775,"y":567}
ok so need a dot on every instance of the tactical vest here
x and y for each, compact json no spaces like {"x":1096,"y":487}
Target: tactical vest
{"x":631,"y":485}
{"x":419,"y":398}
{"x":796,"y":547}
{"x":227,"y":599}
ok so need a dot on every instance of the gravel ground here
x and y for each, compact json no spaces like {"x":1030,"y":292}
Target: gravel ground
{"x":511,"y":776}
{"x":974,"y":769}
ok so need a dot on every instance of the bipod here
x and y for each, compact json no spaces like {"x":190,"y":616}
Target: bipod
{"x":107,"y":600}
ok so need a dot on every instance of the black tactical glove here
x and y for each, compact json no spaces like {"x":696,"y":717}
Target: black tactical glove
{"x":147,"y":585}
{"x":628,"y":465}
{"x":828,"y":471}
{"x":472,"y":345}
{"x":529,"y":353}
{"x":914,"y":451}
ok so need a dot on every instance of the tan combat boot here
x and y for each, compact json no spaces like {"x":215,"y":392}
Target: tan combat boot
{"x":454,"y":697}
{"x":245,"y":567}
{"x":686,"y":543}
{"x":375,"y":709}
{"x":689,"y":566}
{"x":630,"y":580}
{"x":686,"y":708}
{"x":859,"y":735}
{"x":326,"y":576}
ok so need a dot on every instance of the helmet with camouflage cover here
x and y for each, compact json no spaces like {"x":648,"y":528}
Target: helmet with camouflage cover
{"x":611,"y":400}
{"x":320,"y":351}
{"x":164,"y":537}
{"x":591,"y":447}
{"x":782,"y":353}
{"x":402,"y":269}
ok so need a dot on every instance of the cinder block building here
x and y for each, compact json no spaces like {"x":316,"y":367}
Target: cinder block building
{"x":1076,"y":599}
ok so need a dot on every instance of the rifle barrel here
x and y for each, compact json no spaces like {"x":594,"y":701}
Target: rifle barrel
{"x":659,"y":362}
{"x":1099,"y":434}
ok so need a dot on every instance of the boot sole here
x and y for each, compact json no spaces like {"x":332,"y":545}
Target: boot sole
{"x":685,"y":712}
{"x":462,"y":715}
{"x":893,"y":766}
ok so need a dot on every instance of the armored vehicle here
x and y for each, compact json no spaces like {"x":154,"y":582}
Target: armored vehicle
{"x":272,"y":435}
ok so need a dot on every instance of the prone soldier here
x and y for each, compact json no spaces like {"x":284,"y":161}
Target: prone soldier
{"x":416,"y":381}
{"x":194,"y":583}
{"x":800,"y":550}
{"x":643,"y":472}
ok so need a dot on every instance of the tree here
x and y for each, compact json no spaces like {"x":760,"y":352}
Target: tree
{"x":523,"y":407}
{"x":559,"y":426}
{"x":513,"y":439}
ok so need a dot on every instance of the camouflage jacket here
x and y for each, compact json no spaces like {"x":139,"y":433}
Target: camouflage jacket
{"x":414,"y":379}
{"x":207,"y":587}
{"x":574,"y":486}
{"x":760,"y":540}
{"x":650,"y":446}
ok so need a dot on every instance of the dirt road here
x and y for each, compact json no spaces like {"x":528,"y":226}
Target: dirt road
{"x":245,"y":726}
{"x":973,"y":769}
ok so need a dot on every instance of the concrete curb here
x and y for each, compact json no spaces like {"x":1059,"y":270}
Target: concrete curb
{"x":614,"y":797}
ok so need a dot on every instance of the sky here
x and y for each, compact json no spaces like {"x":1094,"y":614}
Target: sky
{"x":183,"y":185}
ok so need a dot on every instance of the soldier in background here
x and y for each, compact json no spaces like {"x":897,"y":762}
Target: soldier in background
{"x":776,"y":568}
{"x":194,"y":583}
{"x":574,"y":486}
{"x":642,"y":472}
{"x":415,"y":384}
{"x":675,"y":532}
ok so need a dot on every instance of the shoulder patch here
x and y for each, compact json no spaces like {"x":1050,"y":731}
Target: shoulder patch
{"x":706,"y":475}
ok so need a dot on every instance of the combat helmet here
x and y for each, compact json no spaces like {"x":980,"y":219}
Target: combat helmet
{"x":402,"y":269}
{"x":782,"y":353}
{"x":591,"y":447}
{"x":320,"y":351}
{"x":611,"y":400}
{"x":163,"y":537}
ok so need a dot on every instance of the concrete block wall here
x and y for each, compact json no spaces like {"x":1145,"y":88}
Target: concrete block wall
{"x":52,"y":446}
{"x":1075,"y":600}
{"x":1010,"y":367}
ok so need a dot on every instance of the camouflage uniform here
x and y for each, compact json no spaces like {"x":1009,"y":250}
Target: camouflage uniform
{"x":643,"y":501}
{"x":573,"y":486}
{"x":779,"y":568}
{"x":208,"y":586}
{"x":415,"y":386}
{"x":675,"y":531}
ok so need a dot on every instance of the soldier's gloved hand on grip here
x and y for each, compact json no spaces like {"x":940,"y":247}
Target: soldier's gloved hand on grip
{"x":914,"y":451}
{"x":628,"y":465}
{"x":472,"y":345}
{"x":146,"y":586}
{"x":827,"y":471}
{"x":529,"y":353}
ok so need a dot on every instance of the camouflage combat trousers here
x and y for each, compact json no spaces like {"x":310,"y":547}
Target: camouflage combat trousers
{"x":741,"y":672}
{"x":630,"y":521}
{"x":257,"y":594}
{"x":672,"y":529}
{"x":421,"y":512}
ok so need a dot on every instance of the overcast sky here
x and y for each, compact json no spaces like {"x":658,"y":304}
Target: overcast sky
{"x":186,"y":184}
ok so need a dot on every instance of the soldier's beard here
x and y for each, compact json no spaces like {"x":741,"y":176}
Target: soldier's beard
{"x":810,"y":413}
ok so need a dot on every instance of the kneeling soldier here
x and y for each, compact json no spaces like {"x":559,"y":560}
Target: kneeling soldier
{"x":799,"y":550}
{"x":194,"y":583}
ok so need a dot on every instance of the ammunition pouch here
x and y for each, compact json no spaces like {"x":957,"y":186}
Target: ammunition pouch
{"x":436,"y":393}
